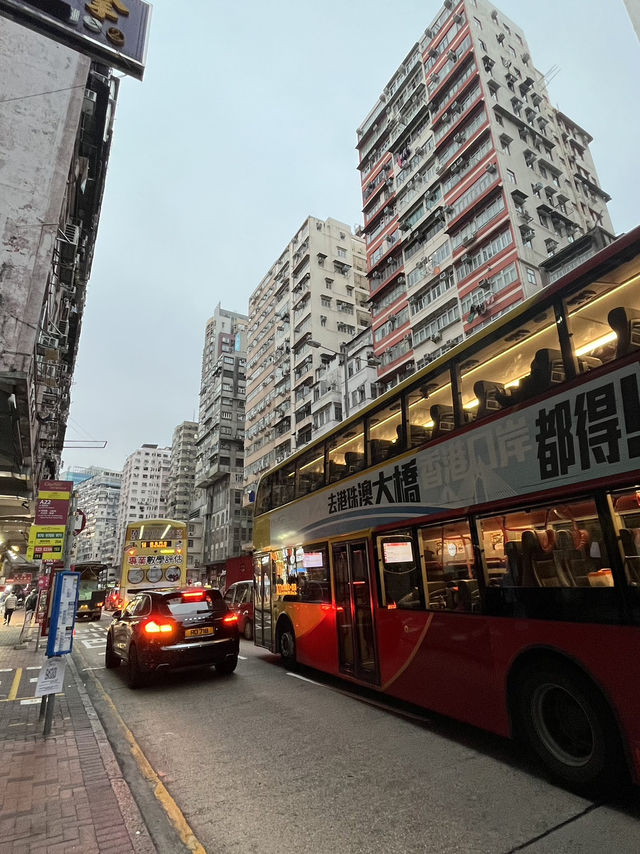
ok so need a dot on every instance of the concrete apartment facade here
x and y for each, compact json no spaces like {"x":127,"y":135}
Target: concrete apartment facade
{"x":144,"y":490}
{"x":99,"y":498}
{"x":57,"y":117}
{"x":182,"y":474}
{"x":309,"y":305}
{"x":226,"y":524}
{"x":470,"y":181}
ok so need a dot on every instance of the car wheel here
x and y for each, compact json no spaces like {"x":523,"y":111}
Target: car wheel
{"x":287,"y":644}
{"x":135,"y":677}
{"x":248,"y":630}
{"x":111,"y":660}
{"x":569,"y":726}
{"x":228,"y":666}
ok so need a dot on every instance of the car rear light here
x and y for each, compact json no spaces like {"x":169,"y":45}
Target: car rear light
{"x":153,"y":628}
{"x":230,"y":618}
{"x":193,"y":595}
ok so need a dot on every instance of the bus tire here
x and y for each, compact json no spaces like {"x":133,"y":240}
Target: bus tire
{"x":248,"y":630}
{"x":111,"y":660}
{"x":287,"y":643}
{"x":568,"y":725}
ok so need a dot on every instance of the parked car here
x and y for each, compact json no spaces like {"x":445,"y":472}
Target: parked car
{"x":239,"y":599}
{"x":171,"y":629}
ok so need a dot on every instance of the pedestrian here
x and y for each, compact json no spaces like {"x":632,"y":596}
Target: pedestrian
{"x":30,"y":604}
{"x":9,"y":607}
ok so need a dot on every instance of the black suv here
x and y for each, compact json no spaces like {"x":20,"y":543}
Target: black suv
{"x":172,"y":629}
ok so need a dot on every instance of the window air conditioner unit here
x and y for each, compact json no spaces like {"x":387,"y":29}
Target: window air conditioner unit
{"x":500,"y":37}
{"x":494,"y":15}
{"x":436,"y":337}
{"x":491,"y":167}
{"x":443,"y":276}
{"x":429,"y":33}
{"x":458,"y":19}
{"x":484,"y":283}
{"x":439,"y":168}
{"x":451,"y":54}
{"x":433,"y":52}
{"x":468,"y":240}
{"x":448,"y":4}
{"x":459,"y":137}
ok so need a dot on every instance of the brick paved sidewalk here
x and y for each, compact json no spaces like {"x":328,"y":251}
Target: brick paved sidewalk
{"x":64,"y":793}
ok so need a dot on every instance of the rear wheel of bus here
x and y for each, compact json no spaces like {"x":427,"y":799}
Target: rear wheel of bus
{"x":286,"y":640}
{"x":568,"y":724}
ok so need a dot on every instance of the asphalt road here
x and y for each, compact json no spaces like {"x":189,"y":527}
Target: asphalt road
{"x":267,"y":760}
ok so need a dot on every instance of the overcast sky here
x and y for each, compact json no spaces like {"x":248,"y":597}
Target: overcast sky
{"x":244,"y":125}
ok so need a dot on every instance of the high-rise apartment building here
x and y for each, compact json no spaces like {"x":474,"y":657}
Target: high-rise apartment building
{"x":182,"y":471}
{"x":226,"y":524}
{"x":470,"y":181}
{"x":144,"y":489}
{"x":98,"y":497}
{"x":311,"y":302}
{"x":56,"y":129}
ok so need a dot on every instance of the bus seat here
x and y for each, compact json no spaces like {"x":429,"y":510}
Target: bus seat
{"x":530,"y":547}
{"x":354,"y":461}
{"x":468,"y":595}
{"x":572,"y":564}
{"x":631,"y":557}
{"x":588,"y":363}
{"x":547,"y":369}
{"x":442,"y":416}
{"x":380,"y":449}
{"x":546,"y":539}
{"x":336,"y":471}
{"x":486,"y":391}
{"x":625,"y":322}
{"x":418,"y":435}
{"x":513,"y":576}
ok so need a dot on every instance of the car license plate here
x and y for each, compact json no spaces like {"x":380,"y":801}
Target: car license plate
{"x":84,"y":607}
{"x":194,"y":633}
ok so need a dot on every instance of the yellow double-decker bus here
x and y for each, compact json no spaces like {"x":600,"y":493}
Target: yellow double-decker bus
{"x":154,"y":555}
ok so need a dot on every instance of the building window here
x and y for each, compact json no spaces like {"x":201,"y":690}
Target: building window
{"x":328,"y":283}
{"x":498,"y":119}
{"x":478,"y":23}
{"x":341,"y":253}
{"x":511,"y":176}
{"x":531,"y":276}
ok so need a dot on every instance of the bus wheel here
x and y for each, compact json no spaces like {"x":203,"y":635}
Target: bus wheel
{"x":569,"y":726}
{"x":287,"y":644}
{"x":248,"y":630}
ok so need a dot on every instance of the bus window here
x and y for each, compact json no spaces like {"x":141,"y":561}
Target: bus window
{"x":385,"y":432}
{"x":283,"y":485}
{"x":310,"y":469}
{"x":345,"y":452}
{"x":559,"y":546}
{"x":401,"y":578}
{"x":514,"y":367}
{"x":263,"y":494}
{"x":626,"y":507}
{"x":312,"y":566}
{"x":430,"y":409}
{"x":604,"y":319}
{"x":449,"y":565}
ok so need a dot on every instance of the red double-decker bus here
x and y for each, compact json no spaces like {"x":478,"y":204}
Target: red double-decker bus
{"x":470,"y":542}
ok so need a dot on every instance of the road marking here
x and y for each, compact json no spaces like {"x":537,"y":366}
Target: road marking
{"x":32,"y":701}
{"x":304,"y":679}
{"x":35,"y":679}
{"x":159,"y":789}
{"x":6,"y":669}
{"x":242,"y":657}
{"x":39,"y":667}
{"x":13,"y":691}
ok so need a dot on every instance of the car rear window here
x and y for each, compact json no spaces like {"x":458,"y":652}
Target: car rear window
{"x":180,"y":606}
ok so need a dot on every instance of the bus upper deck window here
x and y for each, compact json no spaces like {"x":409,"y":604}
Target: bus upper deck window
{"x":604,"y":317}
{"x":516,"y":365}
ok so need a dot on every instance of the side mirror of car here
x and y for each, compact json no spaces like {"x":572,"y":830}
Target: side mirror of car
{"x":116,"y":615}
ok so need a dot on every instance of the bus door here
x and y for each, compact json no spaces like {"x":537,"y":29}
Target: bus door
{"x":262,"y":600}
{"x":354,"y":611}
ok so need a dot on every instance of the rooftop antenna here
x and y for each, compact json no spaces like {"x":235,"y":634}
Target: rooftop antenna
{"x":551,"y":73}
